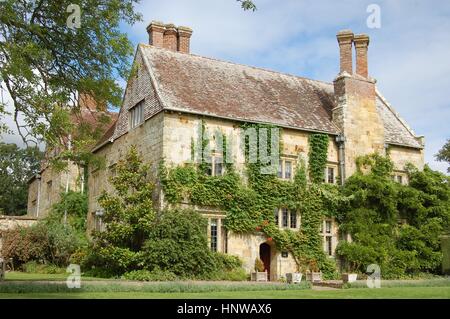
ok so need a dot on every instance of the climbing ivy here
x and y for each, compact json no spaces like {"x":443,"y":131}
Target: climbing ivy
{"x":318,"y":151}
{"x":250,"y":205}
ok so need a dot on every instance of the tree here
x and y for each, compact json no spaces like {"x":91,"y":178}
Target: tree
{"x":17,"y":166}
{"x":444,"y":154}
{"x":128,"y":216}
{"x":247,"y":5}
{"x":50,"y":50}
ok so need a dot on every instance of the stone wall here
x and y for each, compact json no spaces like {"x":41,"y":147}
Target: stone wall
{"x":148,"y":140}
{"x":45,"y":191}
{"x":357,"y":117}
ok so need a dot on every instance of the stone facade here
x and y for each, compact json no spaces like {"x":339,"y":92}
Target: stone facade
{"x":180,"y":93}
{"x":45,"y":189}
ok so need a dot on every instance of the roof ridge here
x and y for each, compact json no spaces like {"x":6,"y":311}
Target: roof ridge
{"x":238,"y":64}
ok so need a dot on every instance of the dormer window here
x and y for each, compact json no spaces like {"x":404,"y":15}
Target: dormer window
{"x":136,"y":115}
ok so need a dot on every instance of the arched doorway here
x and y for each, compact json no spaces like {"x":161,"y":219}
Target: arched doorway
{"x":264,"y":255}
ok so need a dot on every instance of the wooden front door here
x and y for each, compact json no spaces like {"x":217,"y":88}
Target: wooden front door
{"x":264,"y":255}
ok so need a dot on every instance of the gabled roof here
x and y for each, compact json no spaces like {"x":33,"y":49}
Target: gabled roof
{"x":200,"y":85}
{"x":196,"y":84}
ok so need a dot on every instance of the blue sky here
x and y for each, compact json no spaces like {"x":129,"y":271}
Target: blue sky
{"x":409,"y":55}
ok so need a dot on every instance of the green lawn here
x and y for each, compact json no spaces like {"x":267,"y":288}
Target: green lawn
{"x":352,"y":293}
{"x":22,"y":276}
{"x":25,"y":285}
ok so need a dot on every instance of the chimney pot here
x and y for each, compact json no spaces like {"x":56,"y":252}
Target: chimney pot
{"x":156,"y":33}
{"x":345,"y":39}
{"x":361,"y":48}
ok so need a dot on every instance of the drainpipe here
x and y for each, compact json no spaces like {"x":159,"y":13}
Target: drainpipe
{"x":68,"y":176}
{"x":38,"y":177}
{"x":340,"y":139}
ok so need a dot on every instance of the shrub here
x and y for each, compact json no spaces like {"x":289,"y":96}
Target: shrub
{"x":154,"y":275}
{"x":25,"y":244}
{"x":178,"y":242}
{"x":36,"y":268}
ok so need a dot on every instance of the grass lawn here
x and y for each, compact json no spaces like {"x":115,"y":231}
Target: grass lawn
{"x":352,"y":293}
{"x":25,"y":285}
{"x":23,"y":276}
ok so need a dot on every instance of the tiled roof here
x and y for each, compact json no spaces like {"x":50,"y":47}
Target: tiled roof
{"x":197,"y":84}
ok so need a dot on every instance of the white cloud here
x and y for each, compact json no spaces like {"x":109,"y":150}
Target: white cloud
{"x":408,"y":55}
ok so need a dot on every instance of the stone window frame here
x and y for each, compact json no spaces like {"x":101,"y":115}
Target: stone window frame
{"x":136,"y":115}
{"x":328,"y":236}
{"x":213,"y":163}
{"x":400,"y":177}
{"x":279,"y":218}
{"x":222,"y":233}
{"x":282,"y":163}
{"x":334,"y":166}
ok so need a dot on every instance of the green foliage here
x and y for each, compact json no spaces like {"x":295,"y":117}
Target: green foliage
{"x":250,"y":207}
{"x":177,"y":242}
{"x":17,"y":166}
{"x":35,"y":268}
{"x":247,"y":5}
{"x":44,"y":62}
{"x":136,"y":239}
{"x":318,"y":154}
{"x":51,"y":240}
{"x":444,"y":154}
{"x":378,"y":203}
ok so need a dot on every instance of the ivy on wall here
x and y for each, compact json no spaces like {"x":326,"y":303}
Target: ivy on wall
{"x":250,"y":206}
{"x":318,"y":151}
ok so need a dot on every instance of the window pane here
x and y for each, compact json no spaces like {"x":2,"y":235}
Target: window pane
{"x":328,"y":226}
{"x":275,"y":214}
{"x":284,"y":218}
{"x":400,"y":179}
{"x":280,"y":169}
{"x":287,"y":169}
{"x":218,"y":166}
{"x":293,"y":220}
{"x":214,"y":234}
{"x":321,"y":227}
{"x":329,"y":247}
{"x":330,"y":175}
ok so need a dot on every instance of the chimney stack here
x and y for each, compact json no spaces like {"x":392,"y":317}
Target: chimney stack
{"x":156,"y":34}
{"x":184,"y":36}
{"x":345,"y":40}
{"x":171,"y":37}
{"x":168,"y":36}
{"x":361,"y":46}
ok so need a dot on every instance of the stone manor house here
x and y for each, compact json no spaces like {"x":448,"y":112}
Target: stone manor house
{"x":173,"y":91}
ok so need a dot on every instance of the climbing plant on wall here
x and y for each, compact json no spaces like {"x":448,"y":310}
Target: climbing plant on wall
{"x":318,"y":150}
{"x":250,"y":206}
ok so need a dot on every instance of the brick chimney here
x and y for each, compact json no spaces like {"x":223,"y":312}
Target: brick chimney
{"x":361,"y":45}
{"x":184,"y":39}
{"x":345,"y":40}
{"x":171,"y":37}
{"x":156,"y":33}
{"x":355,"y":112}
